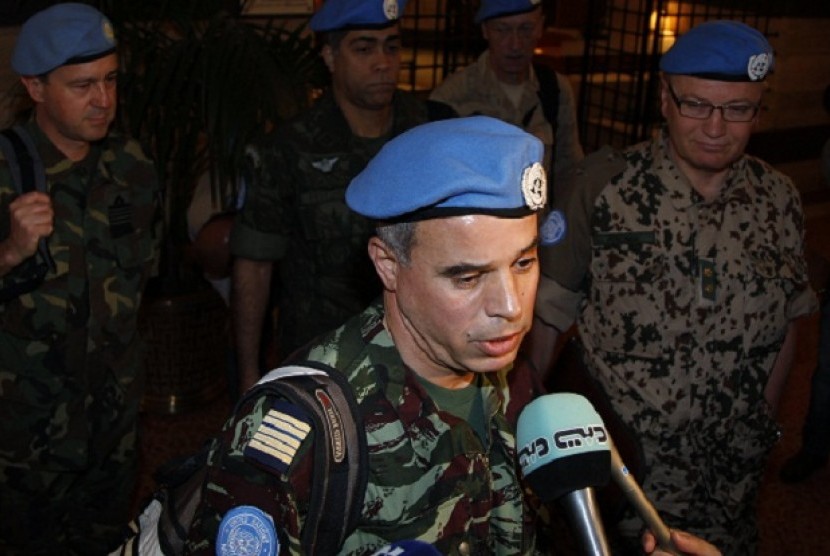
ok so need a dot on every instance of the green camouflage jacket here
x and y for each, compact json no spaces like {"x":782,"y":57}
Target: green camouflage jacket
{"x":683,"y":308}
{"x":430,"y":477}
{"x":69,"y":351}
{"x":295,"y":213}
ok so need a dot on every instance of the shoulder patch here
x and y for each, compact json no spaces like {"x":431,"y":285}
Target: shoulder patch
{"x":278,"y":437}
{"x":247,"y":531}
{"x":553,"y":229}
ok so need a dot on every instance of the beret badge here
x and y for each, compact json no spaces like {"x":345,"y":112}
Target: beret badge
{"x":390,"y":9}
{"x":758,"y":66}
{"x":534,"y":186}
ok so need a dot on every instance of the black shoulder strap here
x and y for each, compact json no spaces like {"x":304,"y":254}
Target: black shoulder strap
{"x":14,"y":151}
{"x":340,"y":449}
{"x":548,"y":94}
{"x":28,"y":174}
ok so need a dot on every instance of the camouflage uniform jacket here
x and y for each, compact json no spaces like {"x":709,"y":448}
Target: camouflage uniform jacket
{"x":476,"y":90}
{"x":430,"y":477}
{"x":296,"y":213}
{"x":683,"y":307}
{"x":69,"y":352}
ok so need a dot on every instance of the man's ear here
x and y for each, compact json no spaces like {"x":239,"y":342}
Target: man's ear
{"x":328,"y":57}
{"x":34,"y":86}
{"x":386,"y":263}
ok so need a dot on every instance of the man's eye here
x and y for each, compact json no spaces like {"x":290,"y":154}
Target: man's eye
{"x":739,"y":108}
{"x":526,"y":263}
{"x":467,"y":280}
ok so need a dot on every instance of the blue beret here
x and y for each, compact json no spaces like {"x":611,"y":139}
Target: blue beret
{"x":336,"y":15}
{"x":498,"y":8}
{"x":61,"y":34}
{"x":720,"y":50}
{"x":473,"y":165}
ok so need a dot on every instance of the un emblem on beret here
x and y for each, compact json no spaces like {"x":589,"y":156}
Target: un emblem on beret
{"x":247,"y":531}
{"x":106,"y":29}
{"x":390,"y":9}
{"x":758,"y":66}
{"x":534,"y":186}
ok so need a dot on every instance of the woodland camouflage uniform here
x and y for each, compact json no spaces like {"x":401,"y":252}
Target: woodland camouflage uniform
{"x":70,"y":363}
{"x":684,"y":308}
{"x":464,"y":498}
{"x":295,"y":214}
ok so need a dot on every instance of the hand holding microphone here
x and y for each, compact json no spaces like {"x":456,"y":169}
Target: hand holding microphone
{"x":563,"y":453}
{"x":564,"y":448}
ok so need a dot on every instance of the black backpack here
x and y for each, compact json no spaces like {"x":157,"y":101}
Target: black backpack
{"x":28,"y":174}
{"x":340,"y":467}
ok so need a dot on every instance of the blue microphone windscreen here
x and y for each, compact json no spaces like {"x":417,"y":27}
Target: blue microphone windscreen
{"x":402,"y":548}
{"x":562,"y":445}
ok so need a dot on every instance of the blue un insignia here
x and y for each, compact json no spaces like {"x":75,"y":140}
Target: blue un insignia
{"x":279,"y":436}
{"x":553,"y":228}
{"x":247,"y":531}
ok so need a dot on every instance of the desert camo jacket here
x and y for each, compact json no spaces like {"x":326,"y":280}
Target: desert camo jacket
{"x":430,"y":477}
{"x":683,"y":306}
{"x":295,"y":213}
{"x":69,"y":351}
{"x":475,"y":89}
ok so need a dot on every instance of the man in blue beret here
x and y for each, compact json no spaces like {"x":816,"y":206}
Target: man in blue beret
{"x":505,"y":83}
{"x":685,"y":273}
{"x":295,"y":224}
{"x":430,"y":363}
{"x":79,"y":231}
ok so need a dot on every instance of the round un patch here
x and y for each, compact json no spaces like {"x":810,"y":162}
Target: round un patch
{"x":553,"y":228}
{"x":247,"y":531}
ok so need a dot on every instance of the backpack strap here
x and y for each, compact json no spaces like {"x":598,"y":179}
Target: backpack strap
{"x":28,"y":174}
{"x":340,"y":449}
{"x":548,"y":94}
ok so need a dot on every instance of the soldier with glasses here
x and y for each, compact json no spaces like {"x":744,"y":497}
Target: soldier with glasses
{"x":685,"y":272}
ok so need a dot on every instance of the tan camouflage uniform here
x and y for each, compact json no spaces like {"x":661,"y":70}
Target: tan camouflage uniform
{"x":295,"y":213}
{"x":476,"y":90}
{"x":70,"y":365}
{"x":683,"y":307}
{"x":430,"y":476}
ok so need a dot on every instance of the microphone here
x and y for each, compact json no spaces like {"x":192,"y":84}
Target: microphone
{"x":402,"y":548}
{"x":563,"y":453}
{"x":625,"y":480}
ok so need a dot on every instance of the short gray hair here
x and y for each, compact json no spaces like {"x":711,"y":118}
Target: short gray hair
{"x":399,"y":237}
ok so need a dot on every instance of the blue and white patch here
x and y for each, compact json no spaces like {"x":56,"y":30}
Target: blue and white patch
{"x":553,"y":228}
{"x":247,"y":531}
{"x":278,"y":437}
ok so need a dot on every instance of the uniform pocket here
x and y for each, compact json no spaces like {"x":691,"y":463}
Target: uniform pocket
{"x":627,"y":280}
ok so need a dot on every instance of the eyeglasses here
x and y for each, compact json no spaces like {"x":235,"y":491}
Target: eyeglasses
{"x":501,"y":31}
{"x":738,"y":112}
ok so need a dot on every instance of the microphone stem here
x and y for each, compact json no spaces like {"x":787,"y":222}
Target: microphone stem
{"x":582,"y":510}
{"x":638,"y":499}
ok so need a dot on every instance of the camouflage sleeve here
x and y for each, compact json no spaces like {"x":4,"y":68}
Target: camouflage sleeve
{"x":804,"y":300}
{"x":565,"y":256}
{"x":259,"y":227}
{"x":236,"y":479}
{"x":451,"y":91}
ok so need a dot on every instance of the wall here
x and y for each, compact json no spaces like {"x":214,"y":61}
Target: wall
{"x":796,"y":124}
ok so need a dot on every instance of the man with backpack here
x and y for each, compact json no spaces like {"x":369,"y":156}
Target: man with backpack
{"x":402,"y":422}
{"x":505,"y":83}
{"x":78,"y":240}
